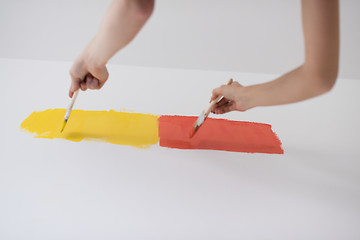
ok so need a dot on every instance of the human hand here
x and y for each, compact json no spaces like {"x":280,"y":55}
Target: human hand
{"x":235,"y":98}
{"x":87,"y":74}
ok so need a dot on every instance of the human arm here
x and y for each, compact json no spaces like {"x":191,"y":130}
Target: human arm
{"x":122,"y":21}
{"x":317,"y":75}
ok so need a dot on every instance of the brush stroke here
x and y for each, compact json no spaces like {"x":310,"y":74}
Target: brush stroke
{"x":218,"y":134}
{"x":134,"y":129}
{"x":143,"y":130}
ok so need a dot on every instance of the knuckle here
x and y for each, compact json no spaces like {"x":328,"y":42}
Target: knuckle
{"x":216,"y":91}
{"x":75,"y":72}
{"x":222,"y":88}
{"x":238,"y":84}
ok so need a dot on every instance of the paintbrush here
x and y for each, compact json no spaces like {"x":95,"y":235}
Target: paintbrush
{"x":67,"y":114}
{"x":205,"y":113}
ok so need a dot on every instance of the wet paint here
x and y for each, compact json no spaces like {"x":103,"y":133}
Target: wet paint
{"x":143,"y":130}
{"x":218,"y":134}
{"x":135,"y":129}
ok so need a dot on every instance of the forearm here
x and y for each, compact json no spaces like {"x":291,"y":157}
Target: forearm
{"x":316,"y":76}
{"x":120,"y":25}
{"x":122,"y":21}
{"x":319,"y":72}
{"x":296,"y":85}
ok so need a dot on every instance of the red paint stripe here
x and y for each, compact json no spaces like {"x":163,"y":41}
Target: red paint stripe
{"x":218,"y":134}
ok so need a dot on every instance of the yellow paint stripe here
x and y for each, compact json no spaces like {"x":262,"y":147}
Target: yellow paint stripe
{"x":135,"y":129}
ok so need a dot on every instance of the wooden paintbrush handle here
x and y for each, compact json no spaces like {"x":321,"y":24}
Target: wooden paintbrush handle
{"x":71,"y":105}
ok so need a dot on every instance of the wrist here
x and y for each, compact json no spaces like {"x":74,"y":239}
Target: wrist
{"x":248,"y":97}
{"x":92,"y":55}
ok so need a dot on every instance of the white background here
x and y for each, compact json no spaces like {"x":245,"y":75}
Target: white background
{"x":58,"y":189}
{"x":245,"y":36}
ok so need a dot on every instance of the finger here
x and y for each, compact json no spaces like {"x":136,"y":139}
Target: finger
{"x":220,"y":108}
{"x":101,"y":74}
{"x":216,"y":107}
{"x":215,"y":93}
{"x":223,"y":90}
{"x":225,"y":108}
{"x":222,"y":102}
{"x":73,"y":87}
{"x":88,"y":81}
{"x":91,"y":82}
{"x":83,"y":85}
{"x":237,"y":84}
{"x":95,"y":84}
{"x":77,"y":73}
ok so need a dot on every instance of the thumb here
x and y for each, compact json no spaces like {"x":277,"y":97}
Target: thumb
{"x":75,"y":85}
{"x":228,"y":91}
{"x":77,"y":74}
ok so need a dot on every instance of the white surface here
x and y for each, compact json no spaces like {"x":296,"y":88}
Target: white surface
{"x":58,"y":189}
{"x":246,"y":36}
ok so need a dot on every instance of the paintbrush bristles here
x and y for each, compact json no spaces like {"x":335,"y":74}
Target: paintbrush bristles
{"x":63,"y":126}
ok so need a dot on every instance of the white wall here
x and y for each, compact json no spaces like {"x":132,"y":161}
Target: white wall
{"x":249,"y":36}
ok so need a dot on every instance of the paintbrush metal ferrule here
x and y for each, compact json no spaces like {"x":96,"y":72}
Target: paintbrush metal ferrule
{"x":67,"y":114}
{"x":200,"y":120}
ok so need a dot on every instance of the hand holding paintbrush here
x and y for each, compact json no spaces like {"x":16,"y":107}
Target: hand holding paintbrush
{"x":94,"y":79}
{"x":205,"y":113}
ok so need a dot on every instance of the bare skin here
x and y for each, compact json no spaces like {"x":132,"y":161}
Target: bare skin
{"x":122,"y":21}
{"x":317,"y":75}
